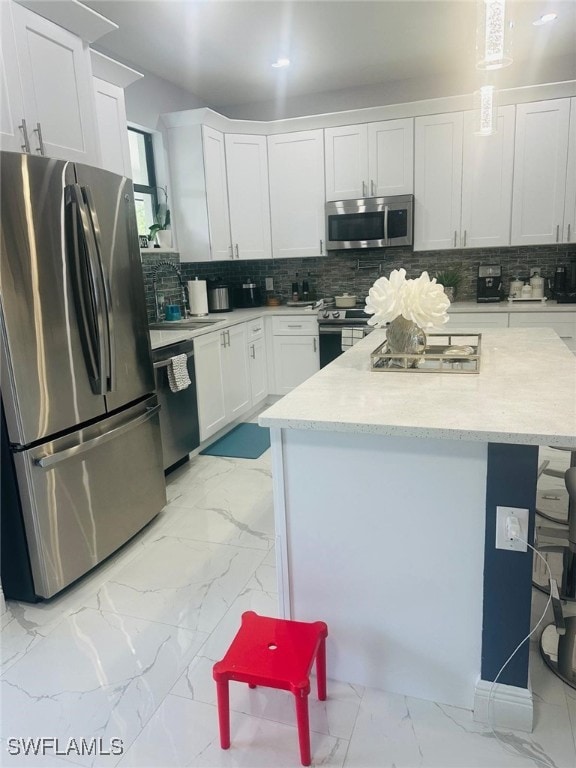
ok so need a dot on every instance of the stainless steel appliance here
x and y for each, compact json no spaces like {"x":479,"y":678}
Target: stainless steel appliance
{"x":81,"y":449}
{"x":179,"y":410}
{"x":218,"y":297}
{"x":489,"y":283}
{"x":331,"y":322}
{"x":372,"y":222}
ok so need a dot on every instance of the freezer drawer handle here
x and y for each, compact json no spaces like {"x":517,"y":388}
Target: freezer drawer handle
{"x":55,"y":458}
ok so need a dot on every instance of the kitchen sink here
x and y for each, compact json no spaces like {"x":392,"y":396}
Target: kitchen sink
{"x":189,"y":324}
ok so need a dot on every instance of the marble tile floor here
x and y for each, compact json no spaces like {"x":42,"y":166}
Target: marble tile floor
{"x":127,"y":654}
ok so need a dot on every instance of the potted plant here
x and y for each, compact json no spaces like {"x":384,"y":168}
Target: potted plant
{"x":159,"y":229}
{"x":450,"y":279}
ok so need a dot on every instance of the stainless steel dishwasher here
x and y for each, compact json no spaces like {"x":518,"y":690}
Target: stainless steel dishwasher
{"x":179,"y":410}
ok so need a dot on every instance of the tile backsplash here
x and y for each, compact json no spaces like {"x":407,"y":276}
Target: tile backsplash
{"x":353,"y":271}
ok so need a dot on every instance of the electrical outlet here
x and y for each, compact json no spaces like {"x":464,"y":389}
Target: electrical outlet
{"x":535,"y":270}
{"x":269,"y":283}
{"x":502,"y":540}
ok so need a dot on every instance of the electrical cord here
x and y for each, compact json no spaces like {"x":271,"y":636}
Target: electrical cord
{"x":503,"y":667}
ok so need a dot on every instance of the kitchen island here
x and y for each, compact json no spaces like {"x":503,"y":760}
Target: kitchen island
{"x":386,"y":486}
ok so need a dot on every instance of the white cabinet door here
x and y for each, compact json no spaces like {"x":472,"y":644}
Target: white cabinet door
{"x":235,"y":371}
{"x":541,"y":152}
{"x":216,"y":194}
{"x":112,"y":128}
{"x":57,"y":87}
{"x":391,"y":157}
{"x":12,"y":119}
{"x":295,"y":360}
{"x":208,"y":351}
{"x":488,"y":163}
{"x":437,"y":181}
{"x":296,"y":173}
{"x":346,"y":150}
{"x":247,"y":171}
{"x":258,"y":369}
{"x":570,"y":204}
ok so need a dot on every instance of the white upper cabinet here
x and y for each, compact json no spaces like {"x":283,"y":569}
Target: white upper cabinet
{"x":296,"y":175}
{"x":570,"y":205}
{"x":112,"y":128}
{"x":391,"y":157}
{"x":437,"y":181}
{"x":369,"y":160}
{"x":346,"y":162}
{"x":109,"y":80}
{"x":56,"y":82}
{"x":217,"y":194}
{"x":12,"y":121}
{"x":247,"y":171}
{"x":540,"y":161}
{"x":488,"y":163}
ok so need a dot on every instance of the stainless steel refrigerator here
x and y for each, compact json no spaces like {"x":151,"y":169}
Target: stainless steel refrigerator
{"x":81,"y":451}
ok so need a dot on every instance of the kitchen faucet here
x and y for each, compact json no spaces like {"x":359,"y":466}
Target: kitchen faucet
{"x":157,"y":268}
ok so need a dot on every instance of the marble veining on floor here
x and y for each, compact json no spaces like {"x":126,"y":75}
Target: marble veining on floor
{"x":127,"y":655}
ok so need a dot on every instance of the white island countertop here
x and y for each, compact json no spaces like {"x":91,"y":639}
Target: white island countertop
{"x":525,"y":393}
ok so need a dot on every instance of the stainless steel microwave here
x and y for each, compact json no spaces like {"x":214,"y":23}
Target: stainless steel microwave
{"x":372,"y":222}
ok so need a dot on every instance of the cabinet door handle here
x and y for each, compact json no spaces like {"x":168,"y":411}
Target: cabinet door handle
{"x":322,"y":244}
{"x":38,"y":130}
{"x":557,"y":232}
{"x":228,"y":336}
{"x":363,"y":188}
{"x":237,"y":252}
{"x":223,"y":335}
{"x":454,"y":238}
{"x":465,"y":234}
{"x":315,"y":344}
{"x":231,"y":251}
{"x":26,"y":145}
{"x":252,"y":352}
{"x":372,"y":187}
{"x":568,"y":237}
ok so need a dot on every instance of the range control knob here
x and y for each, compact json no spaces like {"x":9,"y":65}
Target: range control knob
{"x":325,"y":314}
{"x":335,"y":315}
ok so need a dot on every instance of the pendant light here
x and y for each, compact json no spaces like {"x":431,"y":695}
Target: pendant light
{"x":492,"y":35}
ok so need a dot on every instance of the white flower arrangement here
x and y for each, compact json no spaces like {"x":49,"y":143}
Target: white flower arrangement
{"x":422,"y":300}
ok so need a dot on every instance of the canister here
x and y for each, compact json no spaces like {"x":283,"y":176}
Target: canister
{"x":537,"y":284}
{"x":516,"y":288}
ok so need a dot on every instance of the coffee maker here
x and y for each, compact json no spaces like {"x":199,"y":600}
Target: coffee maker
{"x":489,"y":283}
{"x":565,"y":284}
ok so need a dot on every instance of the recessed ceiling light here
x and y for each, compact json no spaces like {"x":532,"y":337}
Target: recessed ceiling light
{"x":547,"y":17}
{"x":281,"y":63}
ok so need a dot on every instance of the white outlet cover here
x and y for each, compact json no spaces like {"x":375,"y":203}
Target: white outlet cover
{"x":269,"y":283}
{"x":502,"y":541}
{"x":533,"y":271}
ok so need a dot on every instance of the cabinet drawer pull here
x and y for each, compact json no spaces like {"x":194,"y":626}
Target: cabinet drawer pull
{"x":293,"y":326}
{"x":256,"y":330}
{"x":26,"y":145}
{"x":38,"y":130}
{"x":252,"y":351}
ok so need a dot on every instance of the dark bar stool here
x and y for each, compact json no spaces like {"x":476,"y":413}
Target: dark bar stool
{"x":552,"y":504}
{"x":558,"y":640}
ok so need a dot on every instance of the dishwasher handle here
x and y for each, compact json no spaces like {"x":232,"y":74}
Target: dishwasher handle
{"x":165,"y":363}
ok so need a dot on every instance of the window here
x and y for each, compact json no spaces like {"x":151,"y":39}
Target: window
{"x":144,"y":177}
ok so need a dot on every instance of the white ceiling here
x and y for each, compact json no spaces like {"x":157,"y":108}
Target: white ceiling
{"x":222,"y":50}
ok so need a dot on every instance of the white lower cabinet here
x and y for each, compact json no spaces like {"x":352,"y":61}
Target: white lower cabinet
{"x":474,"y":321}
{"x":257,"y":361}
{"x":222,"y":378}
{"x":295,"y":351}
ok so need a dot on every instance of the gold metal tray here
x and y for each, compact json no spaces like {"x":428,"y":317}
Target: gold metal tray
{"x":444,"y":353}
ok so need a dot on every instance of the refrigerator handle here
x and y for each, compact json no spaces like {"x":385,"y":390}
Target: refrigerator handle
{"x":91,"y":269}
{"x":111,"y":359}
{"x":55,"y":458}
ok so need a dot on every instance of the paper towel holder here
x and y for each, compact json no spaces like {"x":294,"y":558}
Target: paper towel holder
{"x":198,"y":303}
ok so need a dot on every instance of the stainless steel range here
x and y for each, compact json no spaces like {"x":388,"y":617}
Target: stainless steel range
{"x":331,"y":324}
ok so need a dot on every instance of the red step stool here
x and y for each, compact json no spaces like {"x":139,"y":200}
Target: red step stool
{"x":274,"y":653}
